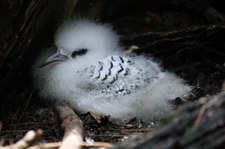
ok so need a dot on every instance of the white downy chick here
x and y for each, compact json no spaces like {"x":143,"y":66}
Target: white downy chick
{"x":92,"y":72}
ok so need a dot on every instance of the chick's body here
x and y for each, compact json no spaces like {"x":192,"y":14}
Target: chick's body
{"x":90,"y":71}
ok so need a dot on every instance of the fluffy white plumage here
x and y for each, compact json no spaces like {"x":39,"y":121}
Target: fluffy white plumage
{"x":91,"y":71}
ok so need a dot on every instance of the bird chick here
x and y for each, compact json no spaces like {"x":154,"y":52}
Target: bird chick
{"x":91,"y":71}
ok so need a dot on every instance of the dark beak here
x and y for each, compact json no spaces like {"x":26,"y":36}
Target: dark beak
{"x":57,"y":57}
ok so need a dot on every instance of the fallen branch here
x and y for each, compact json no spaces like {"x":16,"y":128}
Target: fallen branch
{"x":72,"y":125}
{"x":197,"y":125}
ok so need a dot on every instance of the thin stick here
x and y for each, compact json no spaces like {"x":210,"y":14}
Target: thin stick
{"x":200,"y":114}
{"x":29,"y":138}
{"x":57,"y":144}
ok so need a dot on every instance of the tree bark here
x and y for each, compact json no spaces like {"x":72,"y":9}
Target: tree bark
{"x":196,"y":125}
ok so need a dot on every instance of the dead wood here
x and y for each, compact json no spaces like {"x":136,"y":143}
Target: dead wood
{"x":29,"y":138}
{"x":196,"y":125}
{"x":72,"y":125}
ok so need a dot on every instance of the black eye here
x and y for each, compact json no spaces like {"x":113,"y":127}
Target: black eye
{"x":78,"y":52}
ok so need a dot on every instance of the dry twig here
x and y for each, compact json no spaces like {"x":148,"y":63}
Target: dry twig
{"x":72,"y":125}
{"x":58,"y":144}
{"x":29,"y":138}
